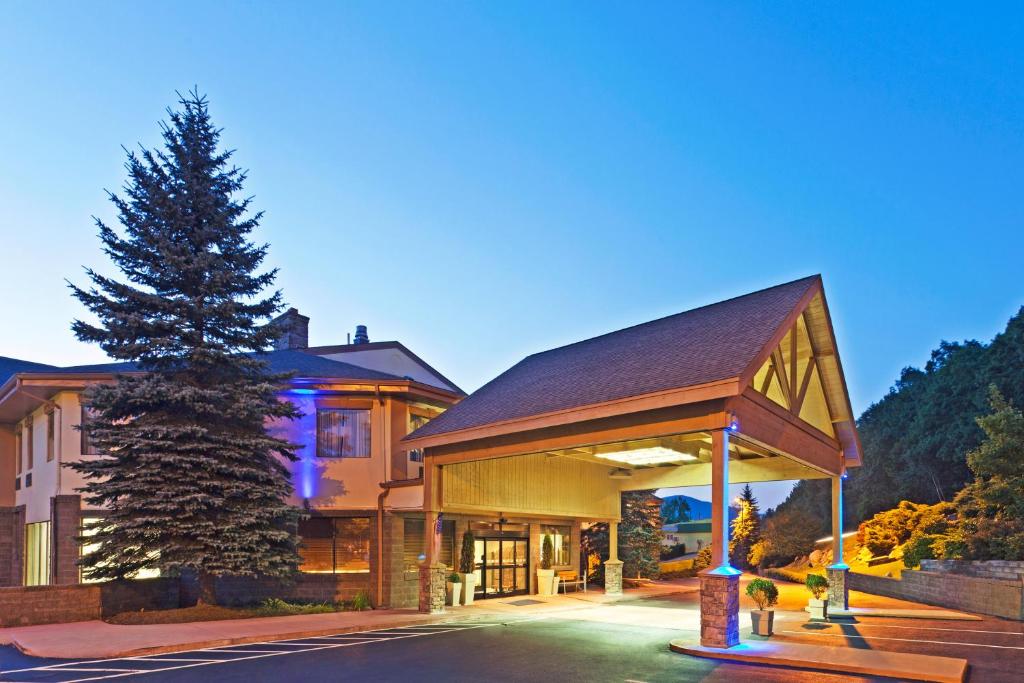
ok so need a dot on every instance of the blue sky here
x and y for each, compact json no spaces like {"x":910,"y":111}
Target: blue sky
{"x":486,"y":180}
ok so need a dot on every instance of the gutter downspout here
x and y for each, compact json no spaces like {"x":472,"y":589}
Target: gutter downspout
{"x":385,"y":490}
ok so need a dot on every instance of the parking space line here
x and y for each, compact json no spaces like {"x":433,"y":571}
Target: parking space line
{"x":939,"y":628}
{"x":230,"y":650}
{"x":905,"y":640}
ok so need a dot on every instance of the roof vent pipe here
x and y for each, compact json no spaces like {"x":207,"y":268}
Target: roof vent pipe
{"x":361,"y":336}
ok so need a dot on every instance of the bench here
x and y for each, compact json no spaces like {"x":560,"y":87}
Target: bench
{"x":573,"y":579}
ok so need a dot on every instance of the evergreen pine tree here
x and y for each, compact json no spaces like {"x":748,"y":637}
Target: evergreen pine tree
{"x":189,"y":477}
{"x":746,"y":529}
{"x":640,"y":534}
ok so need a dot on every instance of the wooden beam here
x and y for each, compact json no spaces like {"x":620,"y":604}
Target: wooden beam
{"x":803,"y":386}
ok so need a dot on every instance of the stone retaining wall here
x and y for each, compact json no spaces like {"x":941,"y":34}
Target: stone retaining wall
{"x":945,"y":589}
{"x":31,"y":605}
{"x":1003,"y":570}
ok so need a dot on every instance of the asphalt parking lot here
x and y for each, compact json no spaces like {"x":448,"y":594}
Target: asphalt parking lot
{"x":624,"y":643}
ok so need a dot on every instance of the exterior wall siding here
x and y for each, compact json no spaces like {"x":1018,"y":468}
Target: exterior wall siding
{"x":532,"y":484}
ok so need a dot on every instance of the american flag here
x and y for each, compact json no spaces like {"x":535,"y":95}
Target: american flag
{"x":438,"y":525}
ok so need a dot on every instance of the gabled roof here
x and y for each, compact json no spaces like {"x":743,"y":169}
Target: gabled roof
{"x":11,"y":366}
{"x":697,"y":347}
{"x":341,"y":349}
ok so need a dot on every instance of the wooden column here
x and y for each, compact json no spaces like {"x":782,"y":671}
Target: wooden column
{"x":837,"y":522}
{"x":613,"y":540}
{"x":719,"y":498}
{"x":838,"y":588}
{"x":432,"y":574}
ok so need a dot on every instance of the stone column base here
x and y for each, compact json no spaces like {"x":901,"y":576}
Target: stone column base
{"x":838,"y":588}
{"x":719,"y":609}
{"x":432,"y":588}
{"x":613,"y":577}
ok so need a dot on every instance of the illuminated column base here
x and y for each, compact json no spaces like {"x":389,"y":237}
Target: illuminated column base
{"x":838,"y":589}
{"x":720,"y":607}
{"x":432,"y":588}
{"x":613,"y":577}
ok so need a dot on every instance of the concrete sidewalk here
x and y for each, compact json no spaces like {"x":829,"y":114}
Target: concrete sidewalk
{"x":99,"y":640}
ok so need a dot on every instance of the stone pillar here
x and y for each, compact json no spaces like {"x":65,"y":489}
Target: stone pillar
{"x":838,"y":591}
{"x":838,"y":588}
{"x":66,"y":526}
{"x":719,"y":609}
{"x":432,"y":588}
{"x":613,"y":577}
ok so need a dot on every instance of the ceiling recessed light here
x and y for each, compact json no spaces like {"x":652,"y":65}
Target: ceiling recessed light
{"x":655,"y":455}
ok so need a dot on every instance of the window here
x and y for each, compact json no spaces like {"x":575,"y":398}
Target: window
{"x":415,"y":422}
{"x":413,"y":546}
{"x":29,"y":450}
{"x":51,"y":434}
{"x":37,"y":554}
{"x":342,"y":433}
{"x":87,"y":446}
{"x":17,"y":451}
{"x":335,"y":545}
{"x":560,"y":539}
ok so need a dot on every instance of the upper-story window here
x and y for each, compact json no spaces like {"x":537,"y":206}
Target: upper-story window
{"x":416,"y":421}
{"x":88,"y":448}
{"x":17,"y":451}
{"x":29,"y":444}
{"x":342,"y":433}
{"x":51,"y":434}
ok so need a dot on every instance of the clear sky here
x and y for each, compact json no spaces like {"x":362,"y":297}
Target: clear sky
{"x":486,"y":180}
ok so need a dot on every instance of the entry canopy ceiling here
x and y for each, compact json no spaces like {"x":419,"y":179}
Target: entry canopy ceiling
{"x":670,"y":451}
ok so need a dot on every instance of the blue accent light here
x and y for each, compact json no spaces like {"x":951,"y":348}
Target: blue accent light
{"x":307,"y":478}
{"x":844,"y":475}
{"x":734,"y":426}
{"x":302,"y":391}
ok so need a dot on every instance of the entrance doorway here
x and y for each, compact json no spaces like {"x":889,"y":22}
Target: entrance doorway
{"x":503,"y":561}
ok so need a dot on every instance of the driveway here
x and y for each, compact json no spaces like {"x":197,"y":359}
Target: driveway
{"x":624,"y":642}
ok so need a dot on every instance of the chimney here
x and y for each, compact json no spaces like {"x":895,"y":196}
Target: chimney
{"x":294,"y":330}
{"x":361,"y":336}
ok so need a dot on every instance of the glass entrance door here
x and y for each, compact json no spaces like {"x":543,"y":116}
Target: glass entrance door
{"x":503,"y":565}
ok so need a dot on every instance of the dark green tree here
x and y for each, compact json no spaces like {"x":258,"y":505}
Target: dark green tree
{"x":640,"y":534}
{"x":189,"y":478}
{"x":991,"y":508}
{"x":675,"y":509}
{"x":746,"y":529}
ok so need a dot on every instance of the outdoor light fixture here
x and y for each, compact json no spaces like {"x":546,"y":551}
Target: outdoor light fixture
{"x":620,"y":473}
{"x":654,"y":455}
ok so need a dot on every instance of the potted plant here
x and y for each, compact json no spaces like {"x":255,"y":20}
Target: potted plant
{"x":454,"y":589}
{"x":467,"y":565}
{"x":546,"y":575}
{"x":765,"y":593}
{"x":818,"y":604}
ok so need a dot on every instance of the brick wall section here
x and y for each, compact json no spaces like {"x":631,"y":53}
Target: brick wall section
{"x":401,"y":587}
{"x":30,"y":605}
{"x":11,"y":539}
{"x":66,"y":522}
{"x":953,"y":591}
{"x":1004,"y":570}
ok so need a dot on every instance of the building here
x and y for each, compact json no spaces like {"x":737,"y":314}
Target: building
{"x":352,"y":476}
{"x":694,"y":535}
{"x":744,"y":390}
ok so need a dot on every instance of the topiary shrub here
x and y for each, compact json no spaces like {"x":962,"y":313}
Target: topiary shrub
{"x":763,"y":592}
{"x":817,"y":585}
{"x":466,"y":560}
{"x":547,"y":552}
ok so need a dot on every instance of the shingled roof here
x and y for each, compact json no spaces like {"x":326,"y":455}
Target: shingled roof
{"x":707,"y":344}
{"x":12,"y":366}
{"x":283,"y":361}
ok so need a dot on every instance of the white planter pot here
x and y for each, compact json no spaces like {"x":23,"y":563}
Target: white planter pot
{"x":469,"y":586}
{"x":545,"y":581}
{"x":454,"y":592}
{"x":762,"y":621}
{"x":818,"y":609}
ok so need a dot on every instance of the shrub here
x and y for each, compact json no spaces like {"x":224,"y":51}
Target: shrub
{"x":547,"y":552}
{"x":758,"y":553}
{"x":921,"y":547}
{"x":466,"y":559}
{"x":675,"y":550}
{"x":361,"y":601}
{"x":885,"y":531}
{"x":454,"y":577}
{"x":764,"y":592}
{"x":703,"y":559}
{"x":817,"y":584}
